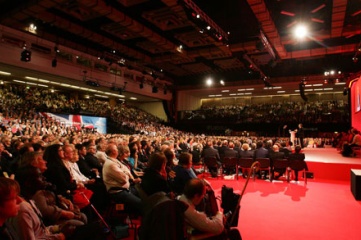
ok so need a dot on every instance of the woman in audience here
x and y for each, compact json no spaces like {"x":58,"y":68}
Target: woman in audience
{"x":28,"y":223}
{"x":57,"y":173}
{"x":9,"y":206}
{"x":155,"y":175}
{"x":36,"y":188}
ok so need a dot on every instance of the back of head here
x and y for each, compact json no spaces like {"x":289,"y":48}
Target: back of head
{"x":51,"y":154}
{"x":298,"y":149}
{"x":245,"y":146}
{"x":259,"y":144}
{"x":157,"y":161}
{"x":184,"y":158}
{"x":169,"y":154}
{"x":193,"y":187}
{"x":275,"y":148}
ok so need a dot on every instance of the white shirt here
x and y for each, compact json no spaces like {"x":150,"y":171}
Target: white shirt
{"x":116,"y":174}
{"x":200,"y":221}
{"x":75,"y":172}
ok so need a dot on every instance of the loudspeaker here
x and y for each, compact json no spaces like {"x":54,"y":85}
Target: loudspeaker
{"x":356,"y":183}
{"x":302,"y":91}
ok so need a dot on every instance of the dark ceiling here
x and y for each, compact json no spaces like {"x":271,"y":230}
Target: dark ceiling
{"x":146,"y":33}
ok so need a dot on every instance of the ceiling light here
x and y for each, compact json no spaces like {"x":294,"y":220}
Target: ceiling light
{"x":43,"y":80}
{"x":32,"y":28}
{"x":5,"y":73}
{"x":300,"y":31}
{"x":18,"y":81}
{"x":209,"y":82}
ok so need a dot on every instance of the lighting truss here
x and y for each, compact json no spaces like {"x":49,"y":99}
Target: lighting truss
{"x":267,"y":44}
{"x":190,"y":4}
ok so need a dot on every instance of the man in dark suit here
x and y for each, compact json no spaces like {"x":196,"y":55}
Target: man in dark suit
{"x":260,"y":151}
{"x":91,"y":159}
{"x":285,"y":150}
{"x":210,"y":152}
{"x":222,"y":149}
{"x":230,"y":153}
{"x":297,"y":156}
{"x":83,"y":165}
{"x":300,"y":134}
{"x":276,"y":154}
{"x":245,"y":152}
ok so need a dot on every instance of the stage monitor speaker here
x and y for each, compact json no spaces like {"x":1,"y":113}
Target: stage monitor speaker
{"x":302,"y":91}
{"x":356,"y":183}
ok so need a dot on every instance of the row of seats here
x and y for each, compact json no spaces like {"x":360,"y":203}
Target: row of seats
{"x":264,"y":164}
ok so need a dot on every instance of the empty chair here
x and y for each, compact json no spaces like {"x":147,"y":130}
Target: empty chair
{"x":280,"y":166}
{"x":265,"y":165}
{"x":230,"y":163}
{"x":245,"y":165}
{"x":296,"y":166}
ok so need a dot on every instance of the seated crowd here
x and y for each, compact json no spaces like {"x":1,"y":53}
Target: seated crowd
{"x":292,"y":112}
{"x":61,"y":172}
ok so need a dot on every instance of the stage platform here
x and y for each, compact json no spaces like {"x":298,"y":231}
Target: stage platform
{"x":328,"y":163}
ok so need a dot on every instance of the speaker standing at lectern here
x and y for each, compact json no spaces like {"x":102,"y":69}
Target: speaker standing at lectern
{"x":293,"y":137}
{"x":300,"y":134}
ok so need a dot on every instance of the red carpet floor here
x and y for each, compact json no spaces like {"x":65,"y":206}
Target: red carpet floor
{"x":324,"y":209}
{"x":281,"y":210}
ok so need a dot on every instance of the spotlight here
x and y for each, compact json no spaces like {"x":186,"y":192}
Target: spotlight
{"x":54,"y":63}
{"x":154,"y":89}
{"x":92,"y":83}
{"x":25,"y":56}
